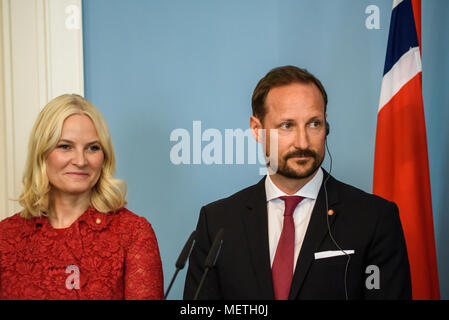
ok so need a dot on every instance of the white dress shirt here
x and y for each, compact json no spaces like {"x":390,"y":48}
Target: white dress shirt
{"x":301,"y":215}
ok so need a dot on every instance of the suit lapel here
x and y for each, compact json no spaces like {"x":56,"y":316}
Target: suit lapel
{"x":256,"y":226}
{"x":316,"y":232}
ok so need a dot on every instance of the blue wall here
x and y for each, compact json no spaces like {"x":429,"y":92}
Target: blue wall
{"x":154,"y":66}
{"x":435,"y":42}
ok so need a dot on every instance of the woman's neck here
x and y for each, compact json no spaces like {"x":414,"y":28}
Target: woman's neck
{"x":65,"y":209}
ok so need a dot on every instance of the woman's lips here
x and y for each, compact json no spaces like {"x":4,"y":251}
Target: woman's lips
{"x":78,"y":173}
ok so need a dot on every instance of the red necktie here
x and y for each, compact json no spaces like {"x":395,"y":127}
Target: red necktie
{"x":282,"y":269}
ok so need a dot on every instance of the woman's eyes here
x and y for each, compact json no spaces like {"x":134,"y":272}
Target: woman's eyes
{"x":64,"y":147}
{"x":94,"y":148}
{"x":68,"y":147}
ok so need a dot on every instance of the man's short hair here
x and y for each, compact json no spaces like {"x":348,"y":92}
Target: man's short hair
{"x":277,"y":77}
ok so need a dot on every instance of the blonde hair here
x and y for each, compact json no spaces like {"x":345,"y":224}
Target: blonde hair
{"x":107,"y":195}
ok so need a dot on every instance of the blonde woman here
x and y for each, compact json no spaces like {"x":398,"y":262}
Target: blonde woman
{"x":74,"y":238}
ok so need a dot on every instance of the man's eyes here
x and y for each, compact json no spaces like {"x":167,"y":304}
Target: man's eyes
{"x":286,"y":125}
{"x":312,"y":124}
{"x":315,"y":124}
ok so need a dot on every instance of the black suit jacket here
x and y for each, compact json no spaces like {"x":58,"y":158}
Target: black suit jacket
{"x":362,"y":222}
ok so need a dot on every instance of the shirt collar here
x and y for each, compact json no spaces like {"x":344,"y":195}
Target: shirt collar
{"x":92,"y":217}
{"x":309,"y":190}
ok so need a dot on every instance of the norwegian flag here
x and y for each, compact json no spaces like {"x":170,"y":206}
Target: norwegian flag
{"x":401,"y":167}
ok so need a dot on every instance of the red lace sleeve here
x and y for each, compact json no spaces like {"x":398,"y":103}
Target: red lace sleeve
{"x":143,"y":267}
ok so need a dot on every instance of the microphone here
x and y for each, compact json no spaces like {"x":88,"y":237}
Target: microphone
{"x":183,"y":256}
{"x":211,"y":259}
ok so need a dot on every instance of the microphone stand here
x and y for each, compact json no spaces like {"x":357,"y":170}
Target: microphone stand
{"x":211,"y":259}
{"x":181,"y":262}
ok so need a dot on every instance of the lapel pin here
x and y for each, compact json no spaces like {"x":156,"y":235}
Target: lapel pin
{"x":330,"y":212}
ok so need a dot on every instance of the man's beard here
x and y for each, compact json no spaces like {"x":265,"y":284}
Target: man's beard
{"x":285,"y":170}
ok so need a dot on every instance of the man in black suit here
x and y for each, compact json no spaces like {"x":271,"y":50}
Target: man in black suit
{"x":299,"y":233}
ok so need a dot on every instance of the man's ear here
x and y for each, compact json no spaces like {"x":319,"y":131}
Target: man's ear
{"x":255,"y":125}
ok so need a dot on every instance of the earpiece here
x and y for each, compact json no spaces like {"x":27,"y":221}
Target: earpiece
{"x":330,"y":212}
{"x":327,"y":128}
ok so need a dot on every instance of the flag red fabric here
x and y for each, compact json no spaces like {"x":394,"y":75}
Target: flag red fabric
{"x":401,"y":168}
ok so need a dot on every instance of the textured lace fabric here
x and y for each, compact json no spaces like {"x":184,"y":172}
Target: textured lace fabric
{"x":100,"y":256}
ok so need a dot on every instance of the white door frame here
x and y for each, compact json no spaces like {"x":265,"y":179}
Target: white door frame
{"x":41,"y":57}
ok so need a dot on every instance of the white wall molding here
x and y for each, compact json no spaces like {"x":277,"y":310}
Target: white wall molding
{"x":64,"y":41}
{"x":41,"y":57}
{"x":3,"y":171}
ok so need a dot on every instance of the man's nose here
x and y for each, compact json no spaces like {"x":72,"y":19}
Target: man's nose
{"x":301,"y":139}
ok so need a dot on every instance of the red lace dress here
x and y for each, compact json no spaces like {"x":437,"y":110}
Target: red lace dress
{"x":100,"y":256}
